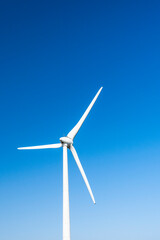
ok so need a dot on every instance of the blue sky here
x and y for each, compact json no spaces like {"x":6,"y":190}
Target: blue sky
{"x":54,"y":56}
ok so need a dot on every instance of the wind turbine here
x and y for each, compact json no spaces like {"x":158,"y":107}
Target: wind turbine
{"x":67,"y":142}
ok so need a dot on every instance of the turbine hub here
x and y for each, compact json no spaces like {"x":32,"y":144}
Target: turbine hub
{"x":66,"y":140}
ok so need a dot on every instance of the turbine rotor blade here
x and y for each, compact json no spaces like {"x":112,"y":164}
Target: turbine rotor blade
{"x":57,"y":145}
{"x":75,"y":130}
{"x":82,"y":171}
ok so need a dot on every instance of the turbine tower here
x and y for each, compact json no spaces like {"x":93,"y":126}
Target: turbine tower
{"x":67,"y":142}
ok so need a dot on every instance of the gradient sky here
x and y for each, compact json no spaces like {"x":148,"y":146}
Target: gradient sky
{"x":54,"y":56}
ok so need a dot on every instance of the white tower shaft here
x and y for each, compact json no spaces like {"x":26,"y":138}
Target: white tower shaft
{"x":66,"y":216}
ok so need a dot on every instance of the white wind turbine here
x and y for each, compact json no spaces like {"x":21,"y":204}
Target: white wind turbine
{"x":67,"y":142}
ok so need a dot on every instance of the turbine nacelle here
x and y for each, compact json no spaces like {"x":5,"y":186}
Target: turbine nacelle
{"x":66,"y":140}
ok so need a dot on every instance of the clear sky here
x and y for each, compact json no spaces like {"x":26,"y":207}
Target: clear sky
{"x":54,"y":56}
